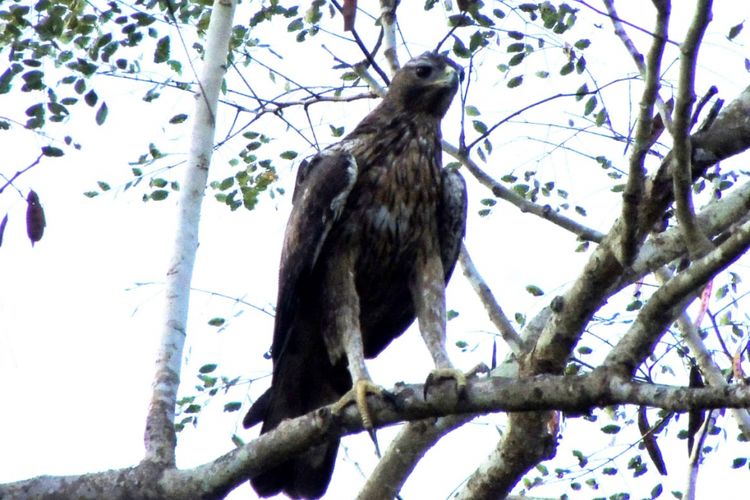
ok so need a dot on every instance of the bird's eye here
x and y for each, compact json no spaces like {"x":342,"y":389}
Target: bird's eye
{"x":423,"y":71}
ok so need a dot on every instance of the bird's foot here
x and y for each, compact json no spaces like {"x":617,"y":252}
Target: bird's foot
{"x":358,"y":395}
{"x":440,"y":374}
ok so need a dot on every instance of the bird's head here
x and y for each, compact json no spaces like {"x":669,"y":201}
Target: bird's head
{"x":426,"y":84}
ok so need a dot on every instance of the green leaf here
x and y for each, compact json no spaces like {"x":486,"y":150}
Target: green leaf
{"x":534,"y":290}
{"x":216,"y":321}
{"x":101,"y":114}
{"x":159,"y":195}
{"x":232,"y":406}
{"x":590,"y":105}
{"x":582,"y":43}
{"x":52,"y":151}
{"x":739,"y":462}
{"x":472,"y":111}
{"x":207,"y":368}
{"x":582,"y":460}
{"x":336,"y":131}
{"x":178,"y":118}
{"x":735,"y":30}
{"x":295,"y":25}
{"x":288,"y":155}
{"x":656,"y":491}
{"x":161,"y":54}
{"x":610,"y":429}
{"x":460,"y":49}
{"x":515,"y":81}
{"x":90,"y":98}
{"x":193,"y":409}
{"x":516,"y":47}
{"x":103,"y":186}
{"x":517,"y":59}
{"x":479,"y":126}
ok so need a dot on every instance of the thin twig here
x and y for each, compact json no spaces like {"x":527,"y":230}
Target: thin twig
{"x":19,"y":174}
{"x":497,"y":316}
{"x":545,"y":212}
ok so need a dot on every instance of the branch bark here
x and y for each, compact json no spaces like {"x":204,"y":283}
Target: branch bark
{"x":159,"y":438}
{"x":632,"y":197}
{"x":578,"y":394}
{"x":682,"y":172}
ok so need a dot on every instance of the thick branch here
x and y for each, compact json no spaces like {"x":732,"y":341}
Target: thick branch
{"x":403,"y":454}
{"x":682,"y":172}
{"x":703,"y":358}
{"x":632,"y":197}
{"x":666,"y":304}
{"x":388,"y":23}
{"x":661,"y":249}
{"x":159,"y":436}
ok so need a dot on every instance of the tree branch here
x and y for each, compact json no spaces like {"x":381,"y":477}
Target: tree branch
{"x":159,"y":438}
{"x":577,"y":394}
{"x":545,"y":212}
{"x":388,"y":23}
{"x":666,"y":304}
{"x":497,"y":316}
{"x":638,"y":58}
{"x":709,"y":369}
{"x":682,"y":172}
{"x":632,"y":197}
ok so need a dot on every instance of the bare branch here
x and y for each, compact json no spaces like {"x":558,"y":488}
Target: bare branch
{"x":666,"y":304}
{"x":577,"y":394}
{"x":497,"y":316}
{"x":159,"y":437}
{"x":694,"y":462}
{"x":403,"y":454}
{"x":620,"y":20}
{"x":664,"y":110}
{"x":705,"y":361}
{"x":388,"y":23}
{"x":633,"y":195}
{"x":682,"y":172}
{"x":662,"y":248}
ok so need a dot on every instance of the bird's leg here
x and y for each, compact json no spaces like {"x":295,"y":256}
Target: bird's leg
{"x":347,"y":334}
{"x":428,"y":293}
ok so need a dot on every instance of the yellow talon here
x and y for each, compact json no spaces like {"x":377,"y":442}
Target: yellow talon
{"x":358,"y":394}
{"x":446,"y":373}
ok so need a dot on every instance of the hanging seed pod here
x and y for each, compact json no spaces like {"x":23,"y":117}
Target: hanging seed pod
{"x":34,"y":218}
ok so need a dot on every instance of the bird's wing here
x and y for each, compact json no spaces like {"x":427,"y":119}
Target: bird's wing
{"x":451,"y":218}
{"x":320,"y":194}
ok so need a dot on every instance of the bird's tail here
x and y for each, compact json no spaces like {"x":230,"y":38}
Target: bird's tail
{"x":291,"y":395}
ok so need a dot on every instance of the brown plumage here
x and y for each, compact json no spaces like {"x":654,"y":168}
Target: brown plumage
{"x":372,"y":239}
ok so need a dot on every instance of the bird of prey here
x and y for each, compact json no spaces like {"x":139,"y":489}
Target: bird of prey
{"x":372,"y":239}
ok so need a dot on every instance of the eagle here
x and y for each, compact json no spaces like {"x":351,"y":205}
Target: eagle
{"x":372,"y":239}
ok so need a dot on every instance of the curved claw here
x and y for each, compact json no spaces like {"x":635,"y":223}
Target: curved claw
{"x":446,"y":373}
{"x":358,"y":395}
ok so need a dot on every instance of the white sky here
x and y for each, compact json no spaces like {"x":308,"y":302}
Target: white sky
{"x":77,"y":334}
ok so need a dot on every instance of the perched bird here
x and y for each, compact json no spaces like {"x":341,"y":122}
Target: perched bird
{"x":373,"y":238}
